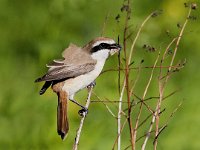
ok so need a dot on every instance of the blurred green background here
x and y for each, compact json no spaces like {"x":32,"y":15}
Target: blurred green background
{"x":33,"y":32}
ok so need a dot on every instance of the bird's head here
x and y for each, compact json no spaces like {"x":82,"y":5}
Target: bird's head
{"x":102,"y":47}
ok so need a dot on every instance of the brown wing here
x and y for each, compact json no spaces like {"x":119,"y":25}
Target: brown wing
{"x":60,"y":73}
{"x":76,"y":62}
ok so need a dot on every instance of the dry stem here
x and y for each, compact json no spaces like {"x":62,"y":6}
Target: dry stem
{"x":78,"y":133}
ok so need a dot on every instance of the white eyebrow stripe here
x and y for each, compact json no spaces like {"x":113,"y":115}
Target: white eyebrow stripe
{"x":106,"y":41}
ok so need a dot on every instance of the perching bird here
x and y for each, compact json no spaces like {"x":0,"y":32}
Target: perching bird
{"x":79,"y":68}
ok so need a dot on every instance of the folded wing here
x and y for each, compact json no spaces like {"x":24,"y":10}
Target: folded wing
{"x":76,"y":62}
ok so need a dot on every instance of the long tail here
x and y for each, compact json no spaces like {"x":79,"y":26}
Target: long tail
{"x":62,"y":120}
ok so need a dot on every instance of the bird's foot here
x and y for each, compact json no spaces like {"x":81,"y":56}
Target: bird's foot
{"x":92,"y":84}
{"x":83,"y":112}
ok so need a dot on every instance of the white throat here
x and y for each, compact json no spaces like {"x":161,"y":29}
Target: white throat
{"x":101,"y":55}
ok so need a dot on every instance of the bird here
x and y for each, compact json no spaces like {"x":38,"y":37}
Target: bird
{"x":78,"y":68}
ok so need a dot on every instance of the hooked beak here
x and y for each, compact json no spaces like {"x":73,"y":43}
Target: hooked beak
{"x":114,"y":48}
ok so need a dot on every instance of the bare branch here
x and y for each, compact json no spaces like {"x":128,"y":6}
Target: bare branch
{"x":78,"y":133}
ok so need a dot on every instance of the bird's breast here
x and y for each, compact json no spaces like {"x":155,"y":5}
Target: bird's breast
{"x":73,"y":85}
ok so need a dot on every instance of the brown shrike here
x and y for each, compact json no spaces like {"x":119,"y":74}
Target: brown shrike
{"x":79,"y":68}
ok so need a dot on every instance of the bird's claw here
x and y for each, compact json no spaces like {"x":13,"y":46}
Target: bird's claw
{"x":92,"y":84}
{"x":83,"y":112}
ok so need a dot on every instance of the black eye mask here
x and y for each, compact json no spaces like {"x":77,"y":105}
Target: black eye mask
{"x":105,"y":46}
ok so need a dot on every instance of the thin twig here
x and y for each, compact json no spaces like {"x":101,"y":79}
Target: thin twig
{"x":177,"y":44}
{"x":119,"y":134}
{"x":137,"y":78}
{"x":105,"y":101}
{"x":137,"y":36}
{"x":128,"y":12}
{"x":147,"y":119}
{"x":146,"y":99}
{"x":179,"y":38}
{"x":138,"y":139}
{"x":144,"y":94}
{"x":78,"y":133}
{"x":119,"y":73}
{"x":147,"y":106}
{"x":135,"y":103}
{"x":119,"y":117}
{"x":167,"y":122}
{"x":109,"y":110}
{"x":136,"y":68}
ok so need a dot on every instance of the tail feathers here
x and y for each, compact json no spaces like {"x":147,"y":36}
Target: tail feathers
{"x":40,"y":79}
{"x":62,"y":120}
{"x":45,"y":87}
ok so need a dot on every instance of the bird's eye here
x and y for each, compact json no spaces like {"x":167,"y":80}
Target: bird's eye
{"x":104,"y":45}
